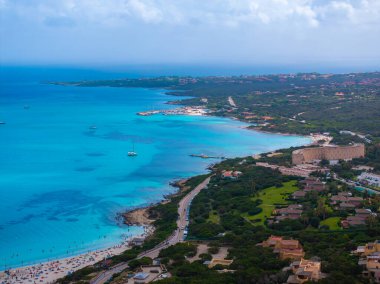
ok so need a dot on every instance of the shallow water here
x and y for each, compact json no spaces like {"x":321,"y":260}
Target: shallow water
{"x":62,"y":183}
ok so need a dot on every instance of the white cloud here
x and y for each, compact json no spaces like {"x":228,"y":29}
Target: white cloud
{"x":311,"y":13}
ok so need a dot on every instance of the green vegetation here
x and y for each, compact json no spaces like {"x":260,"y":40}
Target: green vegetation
{"x":232,"y":212}
{"x":214,"y":217}
{"x":166,"y":216}
{"x":270,"y":197}
{"x":332,"y":223}
{"x":288,"y":103}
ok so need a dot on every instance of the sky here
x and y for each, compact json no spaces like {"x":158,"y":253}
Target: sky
{"x":247,"y":32}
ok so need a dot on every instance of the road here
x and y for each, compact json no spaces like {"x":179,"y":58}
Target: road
{"x":106,"y":275}
{"x":173,"y":239}
{"x":231,"y":101}
{"x":177,"y":236}
{"x":351,"y":183}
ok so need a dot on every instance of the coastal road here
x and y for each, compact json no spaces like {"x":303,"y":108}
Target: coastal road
{"x":182,"y":223}
{"x":106,"y":275}
{"x":173,"y":239}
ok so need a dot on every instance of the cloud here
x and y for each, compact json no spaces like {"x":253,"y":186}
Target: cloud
{"x":233,"y":13}
{"x":170,"y":30}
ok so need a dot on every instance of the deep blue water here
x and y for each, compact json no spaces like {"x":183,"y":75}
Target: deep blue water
{"x":61,"y":183}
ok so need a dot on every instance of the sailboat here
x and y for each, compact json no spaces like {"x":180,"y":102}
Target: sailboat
{"x":132,"y":153}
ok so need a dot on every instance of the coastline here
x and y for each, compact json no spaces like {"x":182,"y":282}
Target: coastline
{"x":137,"y":216}
{"x":50,"y":271}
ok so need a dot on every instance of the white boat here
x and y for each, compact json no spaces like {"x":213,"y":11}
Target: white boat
{"x":132,"y":153}
{"x":92,"y":127}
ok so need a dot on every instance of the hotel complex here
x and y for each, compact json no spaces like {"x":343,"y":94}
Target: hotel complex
{"x":309,"y":155}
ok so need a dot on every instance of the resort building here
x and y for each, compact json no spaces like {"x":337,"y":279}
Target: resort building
{"x":305,"y":270}
{"x":287,"y":249}
{"x":310,"y":155}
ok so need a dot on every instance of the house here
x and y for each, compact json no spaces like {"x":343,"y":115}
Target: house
{"x":299,"y":194}
{"x":370,"y":248}
{"x":137,"y":241}
{"x":370,"y":260}
{"x":359,"y":219}
{"x":305,"y":270}
{"x":287,"y":249}
{"x":357,"y":201}
{"x":346,"y":206}
{"x":313,"y":184}
{"x":363,"y":212}
{"x":345,"y":201}
{"x":293,"y":211}
{"x":231,"y":174}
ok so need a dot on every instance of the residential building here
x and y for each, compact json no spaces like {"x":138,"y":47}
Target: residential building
{"x":287,"y":249}
{"x":305,"y":270}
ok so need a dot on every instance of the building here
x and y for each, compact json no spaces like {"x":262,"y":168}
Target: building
{"x":305,"y":270}
{"x":287,"y":249}
{"x":137,"y":241}
{"x":309,"y":155}
{"x":148,"y":273}
{"x":293,"y":211}
{"x":313,"y":184}
{"x":359,"y":219}
{"x":344,"y":201}
{"x":299,"y":194}
{"x":231,"y":174}
{"x":370,"y":260}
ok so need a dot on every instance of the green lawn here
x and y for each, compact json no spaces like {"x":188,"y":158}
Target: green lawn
{"x":332,"y":222}
{"x":213,"y":217}
{"x":271,"y":196}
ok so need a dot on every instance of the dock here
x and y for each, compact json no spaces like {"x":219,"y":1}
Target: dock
{"x":203,"y":156}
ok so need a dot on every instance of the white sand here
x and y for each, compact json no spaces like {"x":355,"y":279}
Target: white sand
{"x":49,"y":272}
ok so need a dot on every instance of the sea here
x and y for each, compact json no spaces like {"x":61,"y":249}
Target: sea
{"x":64,"y":169}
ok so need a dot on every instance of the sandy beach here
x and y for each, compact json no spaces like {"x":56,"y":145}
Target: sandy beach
{"x":49,"y":272}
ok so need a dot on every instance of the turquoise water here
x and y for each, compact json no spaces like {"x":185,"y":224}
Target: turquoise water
{"x":62,"y":183}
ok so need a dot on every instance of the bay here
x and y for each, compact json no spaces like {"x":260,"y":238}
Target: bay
{"x":64,"y":169}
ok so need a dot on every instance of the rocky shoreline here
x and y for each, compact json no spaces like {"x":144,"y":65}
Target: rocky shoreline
{"x":142,"y":216}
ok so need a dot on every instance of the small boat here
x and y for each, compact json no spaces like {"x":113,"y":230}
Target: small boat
{"x":2,"y":122}
{"x":26,"y":107}
{"x":92,"y":127}
{"x":132,"y":153}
